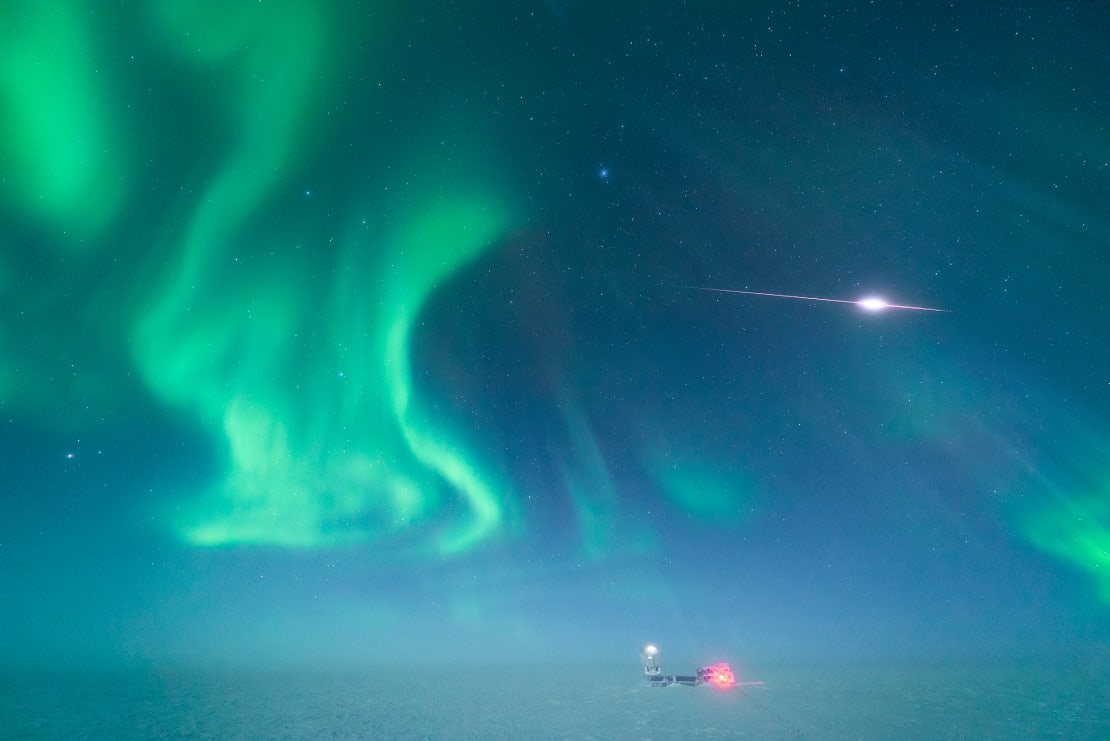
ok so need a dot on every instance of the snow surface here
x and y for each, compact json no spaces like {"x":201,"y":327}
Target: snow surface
{"x":1066,"y":701}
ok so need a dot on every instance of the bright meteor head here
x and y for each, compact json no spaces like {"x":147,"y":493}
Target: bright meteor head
{"x":872,"y":303}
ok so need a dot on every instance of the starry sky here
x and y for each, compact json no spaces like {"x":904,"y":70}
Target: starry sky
{"x":346,"y":332}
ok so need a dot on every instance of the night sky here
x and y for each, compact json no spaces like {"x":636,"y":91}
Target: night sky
{"x":353,"y":332}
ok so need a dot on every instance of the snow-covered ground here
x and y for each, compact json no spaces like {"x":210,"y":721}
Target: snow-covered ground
{"x":1065,"y":700}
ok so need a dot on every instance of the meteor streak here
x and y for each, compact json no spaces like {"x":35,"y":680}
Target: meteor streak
{"x":869,"y":303}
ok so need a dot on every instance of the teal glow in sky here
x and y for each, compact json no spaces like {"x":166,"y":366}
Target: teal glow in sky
{"x":377,"y":308}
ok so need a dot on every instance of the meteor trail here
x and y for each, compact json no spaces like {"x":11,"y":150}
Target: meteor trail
{"x":869,"y":303}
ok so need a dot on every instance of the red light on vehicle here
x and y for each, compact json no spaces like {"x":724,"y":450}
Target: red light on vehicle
{"x":721,"y":675}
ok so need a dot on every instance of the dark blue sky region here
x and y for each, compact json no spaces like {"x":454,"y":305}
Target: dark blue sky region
{"x":355,"y":332}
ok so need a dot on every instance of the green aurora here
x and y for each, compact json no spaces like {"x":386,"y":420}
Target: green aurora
{"x":309,"y":385}
{"x":291,"y":346}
